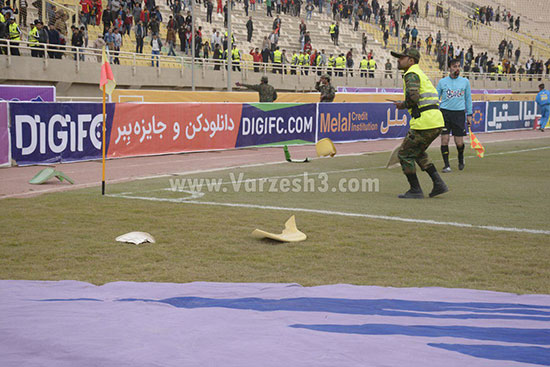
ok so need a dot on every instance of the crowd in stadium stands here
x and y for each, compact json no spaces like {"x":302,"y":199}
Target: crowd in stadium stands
{"x":121,"y":17}
{"x":486,"y":15}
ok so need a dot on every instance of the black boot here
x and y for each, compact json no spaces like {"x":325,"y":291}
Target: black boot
{"x":415,"y":192}
{"x":445,"y":154}
{"x":460,"y":157}
{"x":439,"y":186}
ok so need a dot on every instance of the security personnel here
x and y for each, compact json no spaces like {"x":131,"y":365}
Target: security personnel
{"x":332,"y":31}
{"x":372,"y":67}
{"x":15,"y":36}
{"x":340,"y":64}
{"x":277,"y":60}
{"x":422,"y":101}
{"x":236,"y":57}
{"x":294,"y":63}
{"x":364,"y":65}
{"x":331,"y":63}
{"x":543,"y":102}
{"x":267,"y":92}
{"x":33,"y":40}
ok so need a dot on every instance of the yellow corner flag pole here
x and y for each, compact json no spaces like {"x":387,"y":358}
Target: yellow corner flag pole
{"x":103,"y":146}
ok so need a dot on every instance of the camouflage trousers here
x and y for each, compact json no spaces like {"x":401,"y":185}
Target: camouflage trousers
{"x":413,"y":149}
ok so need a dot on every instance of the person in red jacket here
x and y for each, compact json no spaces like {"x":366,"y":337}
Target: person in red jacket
{"x":257,"y":57}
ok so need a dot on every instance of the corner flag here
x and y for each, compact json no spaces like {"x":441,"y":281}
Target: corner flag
{"x":475,"y":144}
{"x":107,"y":84}
{"x":107,"y":78}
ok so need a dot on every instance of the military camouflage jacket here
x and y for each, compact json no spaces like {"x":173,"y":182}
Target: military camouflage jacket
{"x":266,"y":91}
{"x":327,"y":92}
{"x":412,"y":90}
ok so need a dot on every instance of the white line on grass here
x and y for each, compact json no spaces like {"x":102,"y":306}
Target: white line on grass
{"x":344,"y":214}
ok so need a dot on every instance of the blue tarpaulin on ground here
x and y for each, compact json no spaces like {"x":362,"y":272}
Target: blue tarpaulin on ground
{"x":70,"y":323}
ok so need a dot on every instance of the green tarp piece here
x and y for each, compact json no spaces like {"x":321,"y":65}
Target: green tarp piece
{"x":47,"y":173}
{"x":288,"y":159}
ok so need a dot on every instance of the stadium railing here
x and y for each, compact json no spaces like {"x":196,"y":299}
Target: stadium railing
{"x":248,"y":69}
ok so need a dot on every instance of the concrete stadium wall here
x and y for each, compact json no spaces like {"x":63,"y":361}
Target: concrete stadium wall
{"x":74,"y":78}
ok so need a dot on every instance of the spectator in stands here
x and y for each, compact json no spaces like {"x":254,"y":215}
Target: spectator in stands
{"x":277,"y":26}
{"x":386,"y":38}
{"x":118,"y":45}
{"x":302,"y":27}
{"x":61,"y":22}
{"x":98,"y":44}
{"x":171,"y":40}
{"x":517,"y":24}
{"x":268,"y":5}
{"x":209,"y":9}
{"x":429,"y":43}
{"x":54,"y":38}
{"x":364,"y":44}
{"x":139,"y":32}
{"x":517,"y":55}
{"x":145,"y":17}
{"x":256,"y":58}
{"x":154,"y":25}
{"x":249,"y":29}
{"x":414,"y":35}
{"x":309,"y":10}
{"x":77,"y":40}
{"x":388,"y":73}
{"x":156,"y":46}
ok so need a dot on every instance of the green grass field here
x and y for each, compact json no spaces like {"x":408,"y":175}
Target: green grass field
{"x":70,"y":235}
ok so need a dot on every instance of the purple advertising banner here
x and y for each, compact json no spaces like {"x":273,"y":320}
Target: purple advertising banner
{"x":361,"y":121}
{"x":57,"y":132}
{"x":15,"y":93}
{"x":400,"y":90}
{"x":269,"y":123}
{"x":4,"y":135}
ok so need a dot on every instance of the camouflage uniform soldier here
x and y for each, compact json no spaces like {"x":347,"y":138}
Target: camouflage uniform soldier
{"x":422,"y":101}
{"x":327,"y":90}
{"x":267,"y":92}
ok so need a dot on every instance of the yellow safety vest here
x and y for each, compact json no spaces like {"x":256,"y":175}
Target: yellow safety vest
{"x":340,"y":62}
{"x":500,"y":69}
{"x":331,"y":62}
{"x":235,"y":54}
{"x":33,"y":37}
{"x":2,"y":19}
{"x":332,"y":29}
{"x":364,"y":64}
{"x":305,"y":60}
{"x":277,"y":56}
{"x":372,"y":64}
{"x":295,"y":59}
{"x":430,"y":119}
{"x":15,"y":35}
{"x":318,"y":60}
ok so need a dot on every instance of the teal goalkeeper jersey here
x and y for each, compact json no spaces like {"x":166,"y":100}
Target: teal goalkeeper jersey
{"x":455,"y":94}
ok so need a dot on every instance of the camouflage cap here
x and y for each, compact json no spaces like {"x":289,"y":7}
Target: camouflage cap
{"x":264,"y":79}
{"x":409,"y":52}
{"x":325,"y":76}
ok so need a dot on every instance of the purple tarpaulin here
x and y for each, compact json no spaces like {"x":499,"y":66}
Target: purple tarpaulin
{"x":400,"y":90}
{"x":70,"y":323}
{"x":31,"y":93}
{"x":4,"y":135}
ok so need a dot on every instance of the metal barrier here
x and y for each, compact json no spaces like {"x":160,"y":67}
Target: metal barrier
{"x":247,"y":69}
